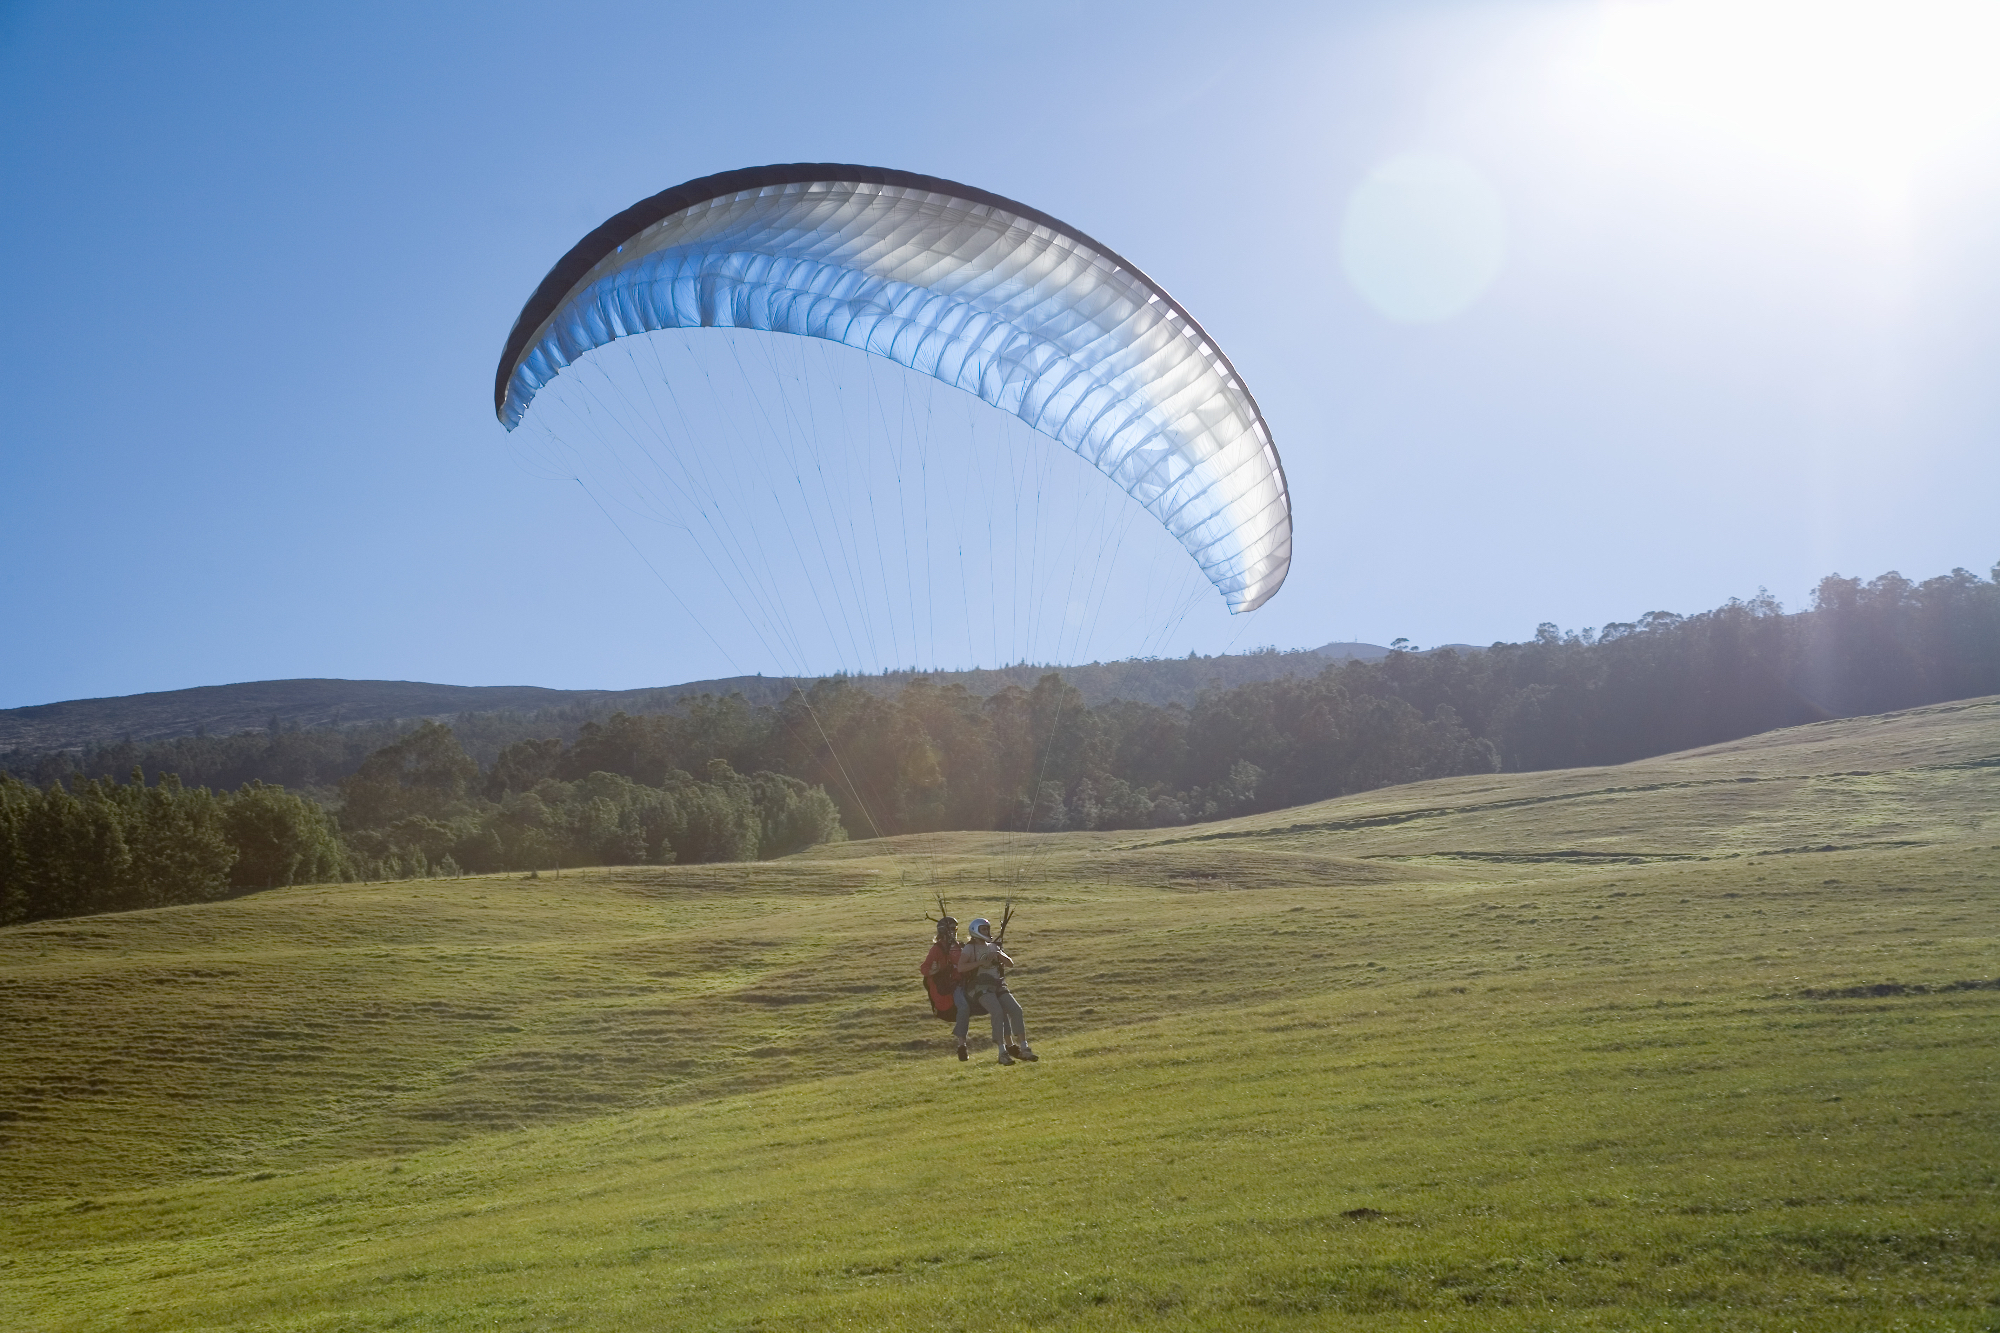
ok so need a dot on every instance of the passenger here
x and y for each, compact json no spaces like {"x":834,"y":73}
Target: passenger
{"x":982,"y":967}
{"x":941,"y":979}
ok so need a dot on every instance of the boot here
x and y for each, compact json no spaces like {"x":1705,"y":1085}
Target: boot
{"x":961,"y":1053}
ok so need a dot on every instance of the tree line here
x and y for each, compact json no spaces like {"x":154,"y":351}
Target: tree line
{"x":412,"y":808}
{"x":422,"y":805}
{"x":938,"y":757}
{"x":105,"y":846}
{"x":718,"y":778}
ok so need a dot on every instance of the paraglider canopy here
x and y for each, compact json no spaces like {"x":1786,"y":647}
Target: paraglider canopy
{"x":975,"y":290}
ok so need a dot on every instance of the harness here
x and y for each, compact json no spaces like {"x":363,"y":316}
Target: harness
{"x":987,"y":980}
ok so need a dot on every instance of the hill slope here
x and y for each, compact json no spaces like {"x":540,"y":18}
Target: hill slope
{"x":226,"y":709}
{"x":306,"y":704}
{"x":1705,"y":1040}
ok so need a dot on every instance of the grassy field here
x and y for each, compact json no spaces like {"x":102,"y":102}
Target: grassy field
{"x":1708,"y":1041}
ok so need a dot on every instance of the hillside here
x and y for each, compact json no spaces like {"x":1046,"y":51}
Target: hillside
{"x":1704,"y":1040}
{"x":307,"y":704}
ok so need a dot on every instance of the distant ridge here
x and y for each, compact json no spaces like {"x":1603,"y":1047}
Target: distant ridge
{"x":227,"y":709}
{"x":314,"y":703}
{"x":1374,"y":652}
{"x":1363,"y":652}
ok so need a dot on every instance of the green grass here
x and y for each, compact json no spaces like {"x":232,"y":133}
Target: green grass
{"x":1707,"y":1041}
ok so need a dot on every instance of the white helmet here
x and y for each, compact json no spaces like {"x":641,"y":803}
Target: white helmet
{"x":981,"y":928}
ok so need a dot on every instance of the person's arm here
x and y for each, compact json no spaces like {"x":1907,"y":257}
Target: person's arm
{"x":933,"y":961}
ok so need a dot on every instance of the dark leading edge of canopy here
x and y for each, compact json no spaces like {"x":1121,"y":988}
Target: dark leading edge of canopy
{"x":586,"y":253}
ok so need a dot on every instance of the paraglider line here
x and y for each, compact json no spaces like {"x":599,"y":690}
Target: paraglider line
{"x":830,"y":748}
{"x":656,"y":574}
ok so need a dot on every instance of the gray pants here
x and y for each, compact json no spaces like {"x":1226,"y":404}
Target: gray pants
{"x":1006,"y":1012}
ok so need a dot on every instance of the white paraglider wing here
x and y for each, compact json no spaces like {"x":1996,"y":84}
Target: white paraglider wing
{"x":982,"y":293}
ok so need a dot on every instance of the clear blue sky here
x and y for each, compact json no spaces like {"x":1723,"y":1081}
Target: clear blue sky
{"x":1713,"y":301}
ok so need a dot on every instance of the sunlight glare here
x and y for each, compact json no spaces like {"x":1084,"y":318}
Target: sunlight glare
{"x":1869,"y":92}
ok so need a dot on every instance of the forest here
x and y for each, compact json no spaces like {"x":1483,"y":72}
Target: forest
{"x":719,"y":778}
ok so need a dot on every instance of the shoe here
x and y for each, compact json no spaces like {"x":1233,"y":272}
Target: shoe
{"x":1006,"y":1059}
{"x":961,"y":1055}
{"x":1026,"y":1053}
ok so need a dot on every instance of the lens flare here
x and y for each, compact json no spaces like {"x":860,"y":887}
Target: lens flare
{"x":1423,"y":237}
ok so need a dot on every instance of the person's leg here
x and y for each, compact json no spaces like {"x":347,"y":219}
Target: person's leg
{"x":1017,"y":1020}
{"x":995,"y":1003}
{"x":959,"y":999}
{"x":1017,"y":1023}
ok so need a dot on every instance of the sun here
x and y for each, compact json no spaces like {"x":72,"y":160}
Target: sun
{"x":1871,"y":92}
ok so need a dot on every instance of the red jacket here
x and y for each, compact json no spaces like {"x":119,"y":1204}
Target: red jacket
{"x":940,"y":971}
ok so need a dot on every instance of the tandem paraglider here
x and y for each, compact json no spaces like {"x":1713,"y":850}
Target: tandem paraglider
{"x":837,"y":559}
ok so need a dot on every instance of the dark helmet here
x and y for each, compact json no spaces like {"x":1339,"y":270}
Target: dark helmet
{"x":947,"y":928}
